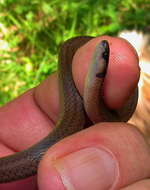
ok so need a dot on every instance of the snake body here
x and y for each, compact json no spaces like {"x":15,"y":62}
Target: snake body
{"x":73,"y":118}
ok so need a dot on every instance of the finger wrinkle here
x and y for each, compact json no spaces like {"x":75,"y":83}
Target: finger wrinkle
{"x":42,"y":110}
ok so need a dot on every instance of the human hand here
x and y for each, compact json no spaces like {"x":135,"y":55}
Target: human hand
{"x":82,"y":155}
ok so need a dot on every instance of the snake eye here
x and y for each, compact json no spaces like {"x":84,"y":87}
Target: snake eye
{"x":105,"y":56}
{"x":105,"y":53}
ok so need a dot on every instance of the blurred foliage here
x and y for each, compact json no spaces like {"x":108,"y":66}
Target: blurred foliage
{"x":31,"y":32}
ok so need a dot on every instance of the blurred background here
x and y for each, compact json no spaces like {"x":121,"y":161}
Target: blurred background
{"x":31,"y":32}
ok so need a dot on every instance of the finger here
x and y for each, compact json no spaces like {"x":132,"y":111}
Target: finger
{"x":105,"y":156}
{"x":123,"y":70}
{"x":123,"y":73}
{"x":142,"y":185}
{"x":22,"y":121}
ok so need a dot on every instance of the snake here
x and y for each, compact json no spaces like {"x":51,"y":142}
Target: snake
{"x":76,"y":112}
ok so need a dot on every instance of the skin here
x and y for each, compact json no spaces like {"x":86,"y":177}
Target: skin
{"x":45,"y":109}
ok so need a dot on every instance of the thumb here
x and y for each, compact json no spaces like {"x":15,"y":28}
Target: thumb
{"x":105,"y":156}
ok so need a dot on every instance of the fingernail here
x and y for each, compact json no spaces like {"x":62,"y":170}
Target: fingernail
{"x":89,"y":168}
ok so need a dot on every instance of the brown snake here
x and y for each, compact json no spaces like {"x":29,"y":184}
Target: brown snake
{"x":73,"y":116}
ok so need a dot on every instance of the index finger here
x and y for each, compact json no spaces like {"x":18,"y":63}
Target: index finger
{"x":123,"y":70}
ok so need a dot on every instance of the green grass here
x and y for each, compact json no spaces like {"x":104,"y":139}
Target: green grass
{"x":33,"y":31}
